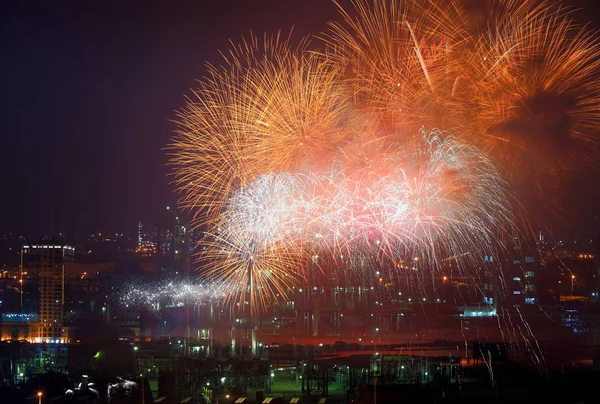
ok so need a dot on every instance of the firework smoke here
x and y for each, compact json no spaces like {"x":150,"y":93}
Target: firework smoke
{"x":291,"y":159}
{"x":434,"y":199}
{"x":518,"y":79}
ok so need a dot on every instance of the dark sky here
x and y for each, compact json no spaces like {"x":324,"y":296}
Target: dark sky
{"x":89,"y":88}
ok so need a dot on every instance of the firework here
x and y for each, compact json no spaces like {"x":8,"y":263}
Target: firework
{"x":516,"y":78}
{"x":539,"y":109}
{"x":269,"y":108}
{"x":436,"y":198}
{"x":296,"y":162}
{"x":168,"y":293}
{"x":253,"y":245}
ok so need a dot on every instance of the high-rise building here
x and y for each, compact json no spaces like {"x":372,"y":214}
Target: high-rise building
{"x":146,"y":243}
{"x":140,"y":235}
{"x":521,"y":277}
{"x":48,"y":261}
{"x":490,"y":282}
{"x":171,"y":242}
{"x":511,"y":280}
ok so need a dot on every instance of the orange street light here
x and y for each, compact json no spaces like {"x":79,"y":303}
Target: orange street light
{"x":39,"y":394}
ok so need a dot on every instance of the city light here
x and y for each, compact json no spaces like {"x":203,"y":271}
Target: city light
{"x":320,"y":184}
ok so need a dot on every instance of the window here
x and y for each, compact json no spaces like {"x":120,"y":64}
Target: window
{"x":529,"y":274}
{"x":529,"y":288}
{"x":516,"y":278}
{"x":529,"y":300}
{"x":529,"y":259}
{"x":516,"y":292}
{"x":516,"y":262}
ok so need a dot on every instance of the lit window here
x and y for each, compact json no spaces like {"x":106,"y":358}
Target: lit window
{"x":529,"y":274}
{"x":516,"y":278}
{"x":516,"y":292}
{"x":529,"y":300}
{"x":530,"y":259}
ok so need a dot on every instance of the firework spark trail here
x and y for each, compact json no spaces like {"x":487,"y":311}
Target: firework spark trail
{"x":443,"y":207}
{"x":169,"y":293}
{"x":297,"y":163}
{"x":269,"y":108}
{"x":486,"y":73}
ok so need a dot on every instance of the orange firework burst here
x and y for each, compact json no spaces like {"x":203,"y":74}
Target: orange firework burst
{"x":268,"y":108}
{"x":280,"y":144}
{"x":470,"y":67}
{"x":516,"y":78}
{"x":253,"y":273}
{"x":541,"y":90}
{"x":431,"y":197}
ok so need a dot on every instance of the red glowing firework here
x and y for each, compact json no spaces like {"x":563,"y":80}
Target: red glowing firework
{"x":286,"y":155}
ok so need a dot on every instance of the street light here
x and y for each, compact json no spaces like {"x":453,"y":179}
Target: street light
{"x":39,"y":397}
{"x":572,"y":282}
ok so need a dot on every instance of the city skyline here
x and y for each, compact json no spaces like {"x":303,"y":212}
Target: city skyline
{"x":342,"y":201}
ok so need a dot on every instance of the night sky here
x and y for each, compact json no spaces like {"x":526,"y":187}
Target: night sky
{"x":89,"y":89}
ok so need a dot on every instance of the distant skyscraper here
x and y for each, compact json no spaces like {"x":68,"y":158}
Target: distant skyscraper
{"x":145,"y":243}
{"x":171,"y":242}
{"x":49,"y":261}
{"x":140,"y":235}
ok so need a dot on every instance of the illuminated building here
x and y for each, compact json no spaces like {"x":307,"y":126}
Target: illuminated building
{"x":171,"y":242}
{"x":521,"y":277}
{"x":490,"y":285}
{"x":18,"y":326}
{"x":49,"y":261}
{"x":140,"y":235}
{"x":519,"y":269}
{"x":145,"y":245}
